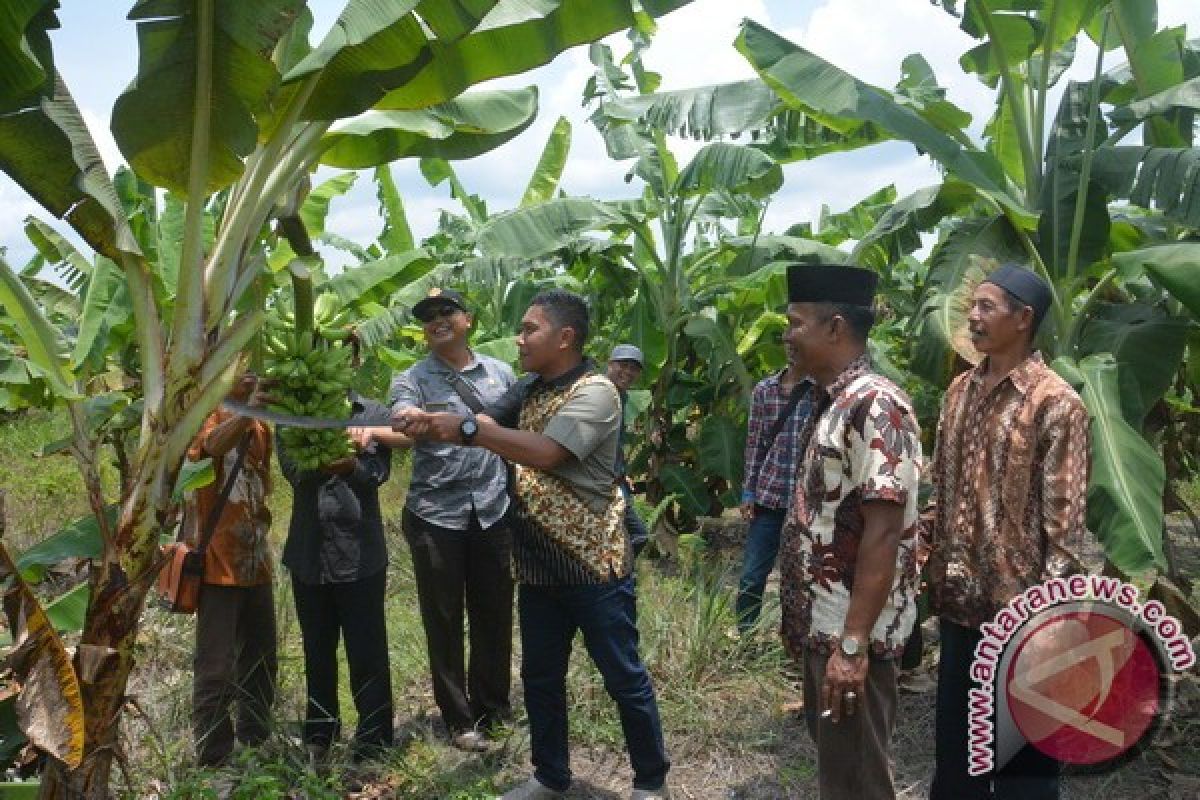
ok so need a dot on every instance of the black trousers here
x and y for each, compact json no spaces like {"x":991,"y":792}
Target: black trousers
{"x":352,"y":612}
{"x":468,"y":569}
{"x":234,"y":666}
{"x":1031,"y":775}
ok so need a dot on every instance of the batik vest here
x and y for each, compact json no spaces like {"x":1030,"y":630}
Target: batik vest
{"x":560,"y":539}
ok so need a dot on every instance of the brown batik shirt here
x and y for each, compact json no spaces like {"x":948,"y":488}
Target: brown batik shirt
{"x":1010,"y":475}
{"x":239,"y":552}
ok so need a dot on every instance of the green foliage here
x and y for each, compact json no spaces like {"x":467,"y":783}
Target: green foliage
{"x":1127,"y":475}
{"x":1048,"y":201}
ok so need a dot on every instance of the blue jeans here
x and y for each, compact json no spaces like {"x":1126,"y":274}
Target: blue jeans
{"x":762,"y":545}
{"x":635,"y":528}
{"x":606,"y":614}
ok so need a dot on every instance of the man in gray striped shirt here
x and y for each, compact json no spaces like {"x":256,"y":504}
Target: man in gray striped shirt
{"x":455,"y":523}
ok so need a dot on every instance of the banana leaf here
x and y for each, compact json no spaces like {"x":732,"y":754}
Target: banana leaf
{"x":26,"y":61}
{"x":68,"y":611}
{"x":376,"y":281}
{"x":49,"y":706}
{"x":314,"y":211}
{"x":1174,"y":267}
{"x":720,"y":448}
{"x":543,"y":183}
{"x":546,"y":228}
{"x":954,"y":267}
{"x":397,"y":236}
{"x":1127,"y":474}
{"x":41,"y":339}
{"x":465,"y":127}
{"x":48,"y":151}
{"x":840,"y":101}
{"x":1128,"y":332}
{"x":897,"y":232}
{"x":152,"y":120}
{"x":688,"y":487}
{"x":733,"y":168}
{"x":382,"y":56}
{"x":78,"y":539}
{"x":1164,"y":178}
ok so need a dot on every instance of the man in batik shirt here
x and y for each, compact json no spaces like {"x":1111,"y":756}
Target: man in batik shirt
{"x":848,"y":564}
{"x":1010,"y":474}
{"x":235,"y":662}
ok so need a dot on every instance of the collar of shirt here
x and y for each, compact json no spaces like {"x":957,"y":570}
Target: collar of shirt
{"x":1023,"y":376}
{"x":854,"y":370}
{"x":437,"y":361}
{"x":777,"y":378}
{"x":566,"y":379}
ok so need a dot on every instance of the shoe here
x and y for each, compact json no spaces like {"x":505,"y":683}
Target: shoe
{"x":471,"y":742}
{"x":650,"y":794}
{"x":914,"y":682}
{"x":532,"y":789}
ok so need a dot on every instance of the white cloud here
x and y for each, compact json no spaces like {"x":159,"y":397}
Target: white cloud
{"x":17,"y":206}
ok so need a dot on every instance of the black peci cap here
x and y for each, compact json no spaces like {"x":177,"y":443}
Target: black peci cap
{"x":828,"y":283}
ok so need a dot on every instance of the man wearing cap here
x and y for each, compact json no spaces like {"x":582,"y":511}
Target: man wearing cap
{"x":455,"y":524}
{"x":1010,"y":474}
{"x":624,"y":368}
{"x":847,"y":556}
{"x":779,"y":410}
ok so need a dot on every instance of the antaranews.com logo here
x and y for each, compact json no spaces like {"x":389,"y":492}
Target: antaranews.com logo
{"x":1078,"y":668}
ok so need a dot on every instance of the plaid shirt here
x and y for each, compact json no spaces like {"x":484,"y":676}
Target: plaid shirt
{"x":771,"y":466}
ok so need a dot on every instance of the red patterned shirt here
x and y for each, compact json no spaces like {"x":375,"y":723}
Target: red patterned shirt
{"x":1010,"y":476}
{"x":865,"y":445}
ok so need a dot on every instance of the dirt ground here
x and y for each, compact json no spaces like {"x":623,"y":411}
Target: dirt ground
{"x":1166,"y":770}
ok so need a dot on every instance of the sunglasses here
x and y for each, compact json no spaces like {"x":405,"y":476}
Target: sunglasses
{"x":440,"y":311}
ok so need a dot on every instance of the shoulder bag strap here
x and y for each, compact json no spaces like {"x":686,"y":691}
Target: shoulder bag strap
{"x":781,"y":420}
{"x":214,"y":514}
{"x":466,"y":391}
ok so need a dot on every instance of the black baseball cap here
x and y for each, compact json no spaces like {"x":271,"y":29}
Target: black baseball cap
{"x":439,"y":297}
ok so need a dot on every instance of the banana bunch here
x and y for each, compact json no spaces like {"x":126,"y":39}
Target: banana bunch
{"x":311,"y":376}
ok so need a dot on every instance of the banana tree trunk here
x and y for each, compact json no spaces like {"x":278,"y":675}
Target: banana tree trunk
{"x":119,"y":583}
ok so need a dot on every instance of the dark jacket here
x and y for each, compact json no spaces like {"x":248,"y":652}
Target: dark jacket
{"x":336,"y":531}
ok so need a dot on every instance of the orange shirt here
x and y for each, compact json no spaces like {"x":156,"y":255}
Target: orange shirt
{"x":238,"y":553}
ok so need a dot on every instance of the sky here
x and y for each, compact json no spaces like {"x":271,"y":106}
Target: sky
{"x":96,"y":51}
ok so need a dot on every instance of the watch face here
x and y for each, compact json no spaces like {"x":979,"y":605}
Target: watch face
{"x":850,"y":646}
{"x":469,"y":427}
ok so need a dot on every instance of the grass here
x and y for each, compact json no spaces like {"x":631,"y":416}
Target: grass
{"x":41,"y":494}
{"x":719,"y":696}
{"x":714,"y":692}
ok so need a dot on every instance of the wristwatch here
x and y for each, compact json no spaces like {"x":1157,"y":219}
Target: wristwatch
{"x":850,"y":646}
{"x":468,"y":428}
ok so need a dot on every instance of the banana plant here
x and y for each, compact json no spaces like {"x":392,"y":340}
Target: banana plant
{"x":1102,"y":221}
{"x":674,"y":273}
{"x":500,"y":287}
{"x":230,"y":110}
